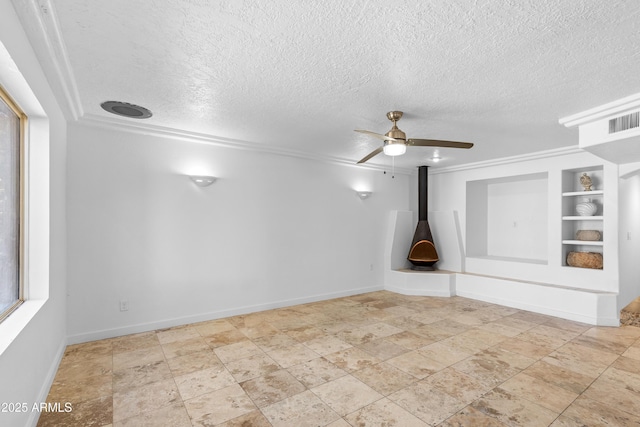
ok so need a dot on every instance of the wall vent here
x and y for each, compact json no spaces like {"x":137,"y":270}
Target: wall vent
{"x":626,"y":122}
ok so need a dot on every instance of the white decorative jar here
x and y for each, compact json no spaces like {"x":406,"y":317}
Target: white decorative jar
{"x":586,"y":208}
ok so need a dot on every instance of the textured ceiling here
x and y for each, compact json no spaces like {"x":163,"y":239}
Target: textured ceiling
{"x":301,"y":76}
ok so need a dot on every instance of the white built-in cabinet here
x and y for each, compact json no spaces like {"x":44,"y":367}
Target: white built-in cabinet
{"x":572,"y":194}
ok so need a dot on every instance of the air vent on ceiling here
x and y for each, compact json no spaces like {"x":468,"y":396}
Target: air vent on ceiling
{"x":625,"y":122}
{"x":127,"y":110}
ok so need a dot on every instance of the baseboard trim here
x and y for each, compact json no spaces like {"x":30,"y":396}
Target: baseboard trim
{"x":47,"y":383}
{"x":203,"y":317}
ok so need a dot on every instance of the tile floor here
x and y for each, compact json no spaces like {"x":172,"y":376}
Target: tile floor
{"x":377,"y":359}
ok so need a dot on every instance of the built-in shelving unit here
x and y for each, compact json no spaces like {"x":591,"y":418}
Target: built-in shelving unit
{"x":572,"y":194}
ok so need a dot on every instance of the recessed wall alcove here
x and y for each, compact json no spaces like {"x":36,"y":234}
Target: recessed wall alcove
{"x":507,"y":218}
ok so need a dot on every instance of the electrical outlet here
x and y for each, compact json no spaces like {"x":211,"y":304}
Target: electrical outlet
{"x":124,"y":305}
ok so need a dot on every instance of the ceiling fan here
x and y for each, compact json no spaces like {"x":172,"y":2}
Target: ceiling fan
{"x":396,"y":142}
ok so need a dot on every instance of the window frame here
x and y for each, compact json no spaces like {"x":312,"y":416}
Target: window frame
{"x":6,"y":98}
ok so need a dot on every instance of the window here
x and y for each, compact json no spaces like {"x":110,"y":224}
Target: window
{"x":12,"y":125}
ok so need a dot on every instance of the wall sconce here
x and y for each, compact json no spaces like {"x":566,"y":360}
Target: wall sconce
{"x":202,"y":181}
{"x":363,"y":194}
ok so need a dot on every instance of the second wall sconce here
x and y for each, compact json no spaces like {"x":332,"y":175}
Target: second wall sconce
{"x":202,"y":180}
{"x":363,"y":194}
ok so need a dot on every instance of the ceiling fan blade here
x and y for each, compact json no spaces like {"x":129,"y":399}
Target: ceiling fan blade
{"x":377,"y":135}
{"x":438,"y":143}
{"x":370,"y":155}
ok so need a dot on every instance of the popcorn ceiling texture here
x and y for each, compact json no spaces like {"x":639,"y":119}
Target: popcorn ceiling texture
{"x":303,"y":75}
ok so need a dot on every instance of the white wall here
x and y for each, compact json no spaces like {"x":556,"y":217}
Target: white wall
{"x":28,"y":364}
{"x":629,"y":237}
{"x":455,"y":199}
{"x":517,"y":219}
{"x":271,"y":231}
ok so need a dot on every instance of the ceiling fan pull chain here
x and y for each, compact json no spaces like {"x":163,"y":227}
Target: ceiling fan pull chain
{"x":393,"y":167}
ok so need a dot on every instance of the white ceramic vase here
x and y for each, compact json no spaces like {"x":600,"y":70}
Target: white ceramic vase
{"x":586,"y":208}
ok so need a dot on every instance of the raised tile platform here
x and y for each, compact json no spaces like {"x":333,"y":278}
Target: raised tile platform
{"x":630,"y":315}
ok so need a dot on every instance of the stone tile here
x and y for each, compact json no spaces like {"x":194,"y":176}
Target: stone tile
{"x":487,"y":369}
{"x":95,"y":348}
{"x":382,"y":329}
{"x":174,"y":415}
{"x":427,"y":403}
{"x":333,"y":326}
{"x":500,"y":328}
{"x":356,"y":336}
{"x":382,"y":349}
{"x":95,"y":412}
{"x":303,"y":409}
{"x":544,"y":394}
{"x":587,"y":412}
{"x":404,"y":323}
{"x":305,"y":333}
{"x":457,"y":384}
{"x":315,"y":372}
{"x":184,"y":347}
{"x":409,"y":340}
{"x":225,"y":338}
{"x":472,"y":418}
{"x":252,"y":419}
{"x":384,"y":413}
{"x":581,"y":359}
{"x":327,"y":344}
{"x":444,"y":353}
{"x":236,"y":351}
{"x":384,"y":378}
{"x":551,"y":332}
{"x":525,"y":348}
{"x":81,"y":389}
{"x":352,"y":359}
{"x":78,"y":368}
{"x":193,"y":362}
{"x":521,"y":325}
{"x":632,"y":366}
{"x":601,"y":344}
{"x":416,"y":364}
{"x":632,"y":352}
{"x":559,"y":376}
{"x":475,"y":340}
{"x":259,"y":330}
{"x":178,"y":333}
{"x":440,"y":330}
{"x":252,"y":367}
{"x":275,"y":341}
{"x":513,"y":411}
{"x":617,"y":389}
{"x":346,"y":394}
{"x":272,"y":387}
{"x":219,"y":406}
{"x":205,"y":381}
{"x":140,"y":357}
{"x":293,"y":355}
{"x":132,"y":402}
{"x":213,"y":327}
{"x":137,"y":376}
{"x":134,"y":342}
{"x":529,"y":316}
{"x":567,"y":325}
{"x":563,"y":421}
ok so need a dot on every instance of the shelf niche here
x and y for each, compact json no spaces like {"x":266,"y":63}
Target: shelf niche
{"x":507,"y":218}
{"x":572,"y":194}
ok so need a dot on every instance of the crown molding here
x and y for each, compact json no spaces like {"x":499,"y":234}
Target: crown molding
{"x":127,"y":125}
{"x":601,"y":111}
{"x":40,"y":16}
{"x":563,"y":151}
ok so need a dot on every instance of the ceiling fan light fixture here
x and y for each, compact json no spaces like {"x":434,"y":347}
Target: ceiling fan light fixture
{"x":394,"y":149}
